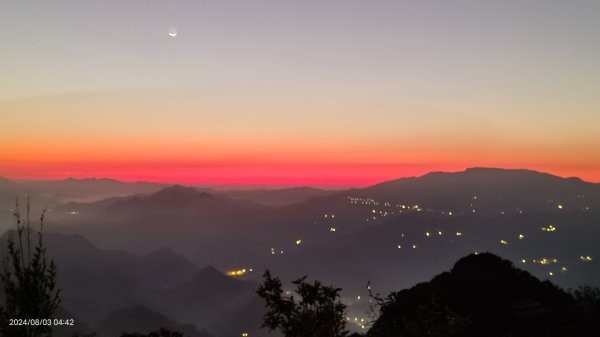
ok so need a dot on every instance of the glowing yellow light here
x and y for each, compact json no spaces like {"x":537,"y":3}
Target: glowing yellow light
{"x":458,"y":234}
{"x":427,"y":234}
{"x":551,"y":273}
{"x":298,"y":242}
{"x":563,"y":269}
{"x":586,"y":258}
{"x":237,"y":272}
{"x":332,"y":229}
{"x":414,"y":246}
{"x":521,"y":236}
{"x":524,"y":261}
{"x":245,"y":334}
{"x":358,"y":297}
{"x":399,"y":246}
{"x":439,"y":232}
{"x":503,"y":242}
{"x":449,"y":213}
{"x":560,"y":206}
{"x":549,"y":229}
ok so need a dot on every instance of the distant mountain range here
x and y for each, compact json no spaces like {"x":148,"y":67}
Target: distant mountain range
{"x":114,"y":291}
{"x":500,"y":190}
{"x":87,"y":190}
{"x":394,"y":234}
{"x":215,"y":228}
{"x":278,"y":197}
{"x":499,"y":186}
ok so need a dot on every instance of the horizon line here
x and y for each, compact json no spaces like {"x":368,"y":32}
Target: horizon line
{"x":281,"y":185}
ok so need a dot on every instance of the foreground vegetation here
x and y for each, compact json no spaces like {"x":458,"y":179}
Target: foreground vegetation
{"x":28,"y":280}
{"x":482,"y":295}
{"x":318,"y":312}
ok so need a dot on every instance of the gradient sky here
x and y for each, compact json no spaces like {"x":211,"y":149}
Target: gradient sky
{"x":327,"y":93}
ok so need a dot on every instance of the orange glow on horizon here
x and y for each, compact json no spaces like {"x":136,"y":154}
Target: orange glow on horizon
{"x":274,"y":141}
{"x":252,"y":174}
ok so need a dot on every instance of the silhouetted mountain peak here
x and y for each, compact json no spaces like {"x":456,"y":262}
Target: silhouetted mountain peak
{"x":162,"y":251}
{"x":179,"y":192}
{"x":5,"y":183}
{"x":502,"y":172}
{"x":171,"y":198}
{"x":277,"y":197}
{"x":490,"y":190}
{"x":476,"y":173}
{"x":489,"y":170}
{"x":166,"y":256}
{"x":211,"y":278}
{"x":209,"y":273}
{"x":482,"y":264}
{"x":208,"y":285}
{"x":492,"y":297}
{"x":488,"y":275}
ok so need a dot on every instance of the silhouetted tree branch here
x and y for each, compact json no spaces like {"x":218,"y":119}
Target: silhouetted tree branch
{"x":29,"y":281}
{"x":317,"y":313}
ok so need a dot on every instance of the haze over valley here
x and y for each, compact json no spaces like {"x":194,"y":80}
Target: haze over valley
{"x":175,"y":251}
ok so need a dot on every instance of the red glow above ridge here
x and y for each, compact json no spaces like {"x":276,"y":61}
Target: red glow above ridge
{"x":272,"y":174}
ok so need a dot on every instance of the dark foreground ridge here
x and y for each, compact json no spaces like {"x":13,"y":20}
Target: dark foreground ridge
{"x":484,"y":295}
